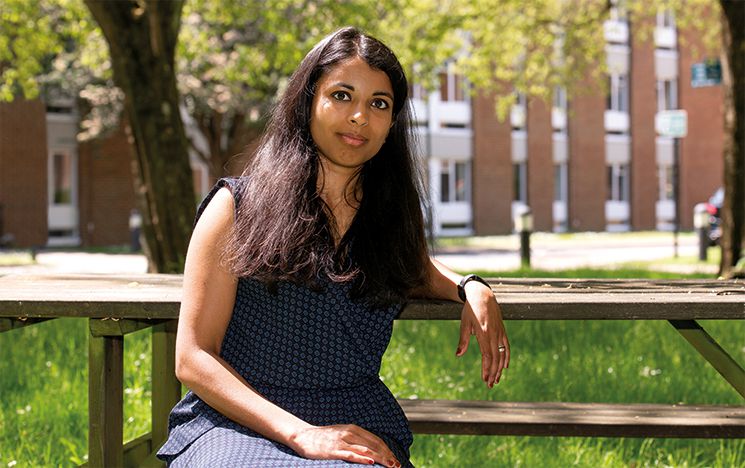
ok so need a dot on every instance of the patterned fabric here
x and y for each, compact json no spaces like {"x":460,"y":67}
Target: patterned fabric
{"x":316,"y":354}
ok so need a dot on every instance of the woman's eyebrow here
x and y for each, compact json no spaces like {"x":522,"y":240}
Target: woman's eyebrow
{"x":376,"y":93}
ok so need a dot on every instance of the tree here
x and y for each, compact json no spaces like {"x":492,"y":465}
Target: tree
{"x":142,"y":38}
{"x":733,"y":71}
{"x":232,"y":57}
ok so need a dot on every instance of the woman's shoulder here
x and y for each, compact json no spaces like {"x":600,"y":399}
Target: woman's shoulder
{"x":231,"y":195}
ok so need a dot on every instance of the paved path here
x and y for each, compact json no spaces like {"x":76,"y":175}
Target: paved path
{"x":549,"y":252}
{"x":553,"y":253}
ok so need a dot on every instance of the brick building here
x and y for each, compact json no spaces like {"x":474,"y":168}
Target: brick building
{"x":591,"y":163}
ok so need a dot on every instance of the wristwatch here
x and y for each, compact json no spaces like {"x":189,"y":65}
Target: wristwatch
{"x":466,"y":279}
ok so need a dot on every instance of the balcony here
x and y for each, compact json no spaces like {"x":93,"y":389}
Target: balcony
{"x":664,"y":151}
{"x":560,"y":148}
{"x":665,"y":214}
{"x":519,"y":146}
{"x":665,"y":64}
{"x":558,"y":118}
{"x":616,"y":216}
{"x":617,"y":149}
{"x":617,"y":59}
{"x":616,"y":121}
{"x":517,"y":116}
{"x":616,"y":31}
{"x":665,"y":37}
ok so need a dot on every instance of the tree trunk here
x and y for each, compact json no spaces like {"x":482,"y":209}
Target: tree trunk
{"x":733,"y":80}
{"x":142,"y":37}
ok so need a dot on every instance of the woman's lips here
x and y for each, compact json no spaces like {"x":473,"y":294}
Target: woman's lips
{"x":352,"y":139}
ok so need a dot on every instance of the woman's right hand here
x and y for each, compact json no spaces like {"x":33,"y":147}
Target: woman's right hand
{"x":344,"y":442}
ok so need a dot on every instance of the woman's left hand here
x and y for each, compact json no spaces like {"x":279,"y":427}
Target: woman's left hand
{"x":481,"y":317}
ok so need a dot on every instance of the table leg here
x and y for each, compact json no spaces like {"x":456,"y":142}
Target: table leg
{"x":105,"y":400}
{"x":712,"y":352}
{"x":166,"y":388}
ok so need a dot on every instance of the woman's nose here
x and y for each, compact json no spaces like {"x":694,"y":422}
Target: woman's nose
{"x":358,"y":118}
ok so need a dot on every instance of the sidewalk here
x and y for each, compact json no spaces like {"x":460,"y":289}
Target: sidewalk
{"x":490,"y":253}
{"x":570,"y":251}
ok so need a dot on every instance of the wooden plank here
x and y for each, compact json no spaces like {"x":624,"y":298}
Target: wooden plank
{"x":588,"y":307}
{"x":574,"y":419}
{"x":118,"y":327}
{"x":166,"y":388}
{"x":105,"y":400}
{"x":137,"y":450}
{"x":7,"y":324}
{"x":149,"y":297}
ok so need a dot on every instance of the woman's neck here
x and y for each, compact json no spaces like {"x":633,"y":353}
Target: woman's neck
{"x":341,"y":193}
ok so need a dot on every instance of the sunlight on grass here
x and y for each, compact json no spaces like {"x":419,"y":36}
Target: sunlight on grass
{"x":16,"y":258}
{"x":43,"y":408}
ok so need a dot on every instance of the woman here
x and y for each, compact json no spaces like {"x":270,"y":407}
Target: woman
{"x":296,"y":270}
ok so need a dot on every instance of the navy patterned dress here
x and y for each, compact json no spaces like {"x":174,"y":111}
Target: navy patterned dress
{"x":316,"y":354}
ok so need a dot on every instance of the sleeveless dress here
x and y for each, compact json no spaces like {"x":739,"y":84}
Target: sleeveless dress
{"x":316,"y":354}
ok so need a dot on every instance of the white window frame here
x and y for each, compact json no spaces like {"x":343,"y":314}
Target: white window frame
{"x":560,"y":98}
{"x":449,"y":168}
{"x":665,"y":177}
{"x":520,"y":179}
{"x":561,"y":186}
{"x":618,"y":92}
{"x":618,"y":11}
{"x":667,"y":95}
{"x":665,"y":18}
{"x":453,"y":80}
{"x":618,"y":182}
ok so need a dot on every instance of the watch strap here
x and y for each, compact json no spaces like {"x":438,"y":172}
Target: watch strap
{"x":466,"y":279}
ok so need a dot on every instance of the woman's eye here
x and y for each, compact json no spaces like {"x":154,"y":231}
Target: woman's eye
{"x":380,"y":104}
{"x":341,"y":96}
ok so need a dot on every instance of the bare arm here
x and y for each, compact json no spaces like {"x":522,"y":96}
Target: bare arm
{"x":481,"y":316}
{"x":207,"y":305}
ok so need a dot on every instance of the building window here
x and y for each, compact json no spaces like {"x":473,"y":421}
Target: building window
{"x":518,"y":112}
{"x":618,"y":10}
{"x":665,"y":19}
{"x":665,"y":176}
{"x":618,"y":94}
{"x":417,"y":91}
{"x":667,"y":95}
{"x":560,"y":182}
{"x":453,"y":87}
{"x":560,"y":98}
{"x":520,"y":182}
{"x":618,"y":182}
{"x":454,"y":181}
{"x":62,"y":190}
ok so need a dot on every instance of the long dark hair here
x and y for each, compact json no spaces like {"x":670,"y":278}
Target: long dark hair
{"x":283,"y":229}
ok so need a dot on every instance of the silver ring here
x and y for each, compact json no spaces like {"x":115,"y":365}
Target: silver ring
{"x":501,"y":349}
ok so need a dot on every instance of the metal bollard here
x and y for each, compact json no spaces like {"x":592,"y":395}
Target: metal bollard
{"x":524,"y":225}
{"x":701,"y":224}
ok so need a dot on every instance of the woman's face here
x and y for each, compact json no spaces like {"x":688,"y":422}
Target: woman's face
{"x":351,"y":114}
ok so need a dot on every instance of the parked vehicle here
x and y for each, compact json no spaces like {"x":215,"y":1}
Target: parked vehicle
{"x":714,"y":208}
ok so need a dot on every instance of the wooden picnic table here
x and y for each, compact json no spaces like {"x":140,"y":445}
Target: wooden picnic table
{"x":116,"y":305}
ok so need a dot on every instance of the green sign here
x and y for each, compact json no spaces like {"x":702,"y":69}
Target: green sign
{"x":672,"y":123}
{"x":708,"y":73}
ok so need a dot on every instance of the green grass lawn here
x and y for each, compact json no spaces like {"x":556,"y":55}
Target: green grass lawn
{"x":43,"y":387}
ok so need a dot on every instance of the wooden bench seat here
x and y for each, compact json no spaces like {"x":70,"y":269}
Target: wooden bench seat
{"x":574,"y":419}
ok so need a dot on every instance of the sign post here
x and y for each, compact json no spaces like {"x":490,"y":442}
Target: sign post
{"x":674,"y":124}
